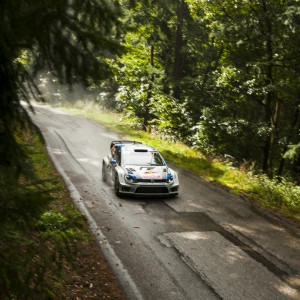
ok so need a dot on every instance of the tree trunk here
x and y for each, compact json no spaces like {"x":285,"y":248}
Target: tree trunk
{"x":267,"y":155}
{"x":149,"y":93}
{"x":178,"y":47}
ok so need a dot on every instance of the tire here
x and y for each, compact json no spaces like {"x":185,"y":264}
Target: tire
{"x":172,"y":195}
{"x":117,"y":186}
{"x":104,"y":175}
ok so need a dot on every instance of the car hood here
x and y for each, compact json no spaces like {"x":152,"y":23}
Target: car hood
{"x":153,"y":172}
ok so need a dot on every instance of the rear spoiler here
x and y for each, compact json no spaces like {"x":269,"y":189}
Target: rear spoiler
{"x":123,"y":142}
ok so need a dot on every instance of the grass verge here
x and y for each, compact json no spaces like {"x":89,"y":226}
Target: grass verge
{"x":282,"y":197}
{"x":46,"y":249}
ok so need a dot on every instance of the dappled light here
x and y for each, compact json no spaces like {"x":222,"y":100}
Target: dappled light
{"x":232,"y":256}
{"x":59,"y":151}
{"x":194,"y":236}
{"x":96,"y":163}
{"x":221,"y":263}
{"x":288,"y":291}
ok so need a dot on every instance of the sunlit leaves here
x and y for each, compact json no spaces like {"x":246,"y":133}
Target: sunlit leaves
{"x":239,"y":85}
{"x":68,"y":38}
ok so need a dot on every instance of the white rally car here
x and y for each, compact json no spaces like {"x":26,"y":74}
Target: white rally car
{"x":138,"y":169}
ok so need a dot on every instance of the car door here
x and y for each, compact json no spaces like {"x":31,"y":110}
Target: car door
{"x":116,"y":160}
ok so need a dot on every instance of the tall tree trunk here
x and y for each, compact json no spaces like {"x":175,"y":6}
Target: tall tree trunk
{"x":178,"y":47}
{"x":266,"y":164}
{"x":267,"y":155}
{"x":149,"y":93}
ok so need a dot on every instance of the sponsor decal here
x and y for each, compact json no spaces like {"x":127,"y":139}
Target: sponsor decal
{"x":169,"y":176}
{"x":151,"y":175}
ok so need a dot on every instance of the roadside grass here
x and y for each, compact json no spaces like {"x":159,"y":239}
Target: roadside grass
{"x":282,"y":197}
{"x":46,"y":248}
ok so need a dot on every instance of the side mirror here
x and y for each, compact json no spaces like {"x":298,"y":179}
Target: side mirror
{"x":113,"y":161}
{"x":166,"y":162}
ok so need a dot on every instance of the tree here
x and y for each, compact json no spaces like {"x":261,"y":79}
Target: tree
{"x":140,"y":71}
{"x":71,"y":39}
{"x":257,"y":80}
{"x":68,"y":38}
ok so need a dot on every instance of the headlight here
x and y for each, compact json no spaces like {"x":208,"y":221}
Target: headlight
{"x":130,"y":178}
{"x":169,"y":178}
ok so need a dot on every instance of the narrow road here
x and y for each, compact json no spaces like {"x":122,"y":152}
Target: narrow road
{"x":204,"y":244}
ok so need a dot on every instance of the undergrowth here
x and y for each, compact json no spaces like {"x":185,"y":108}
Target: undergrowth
{"x":39,"y":231}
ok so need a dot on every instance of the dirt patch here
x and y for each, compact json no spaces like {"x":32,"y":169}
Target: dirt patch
{"x":92,"y":277}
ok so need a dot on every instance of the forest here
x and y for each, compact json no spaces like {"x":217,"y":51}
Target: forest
{"x":221,"y":76}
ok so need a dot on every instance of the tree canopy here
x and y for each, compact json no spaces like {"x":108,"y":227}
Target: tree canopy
{"x":222,"y":76}
{"x":69,"y":38}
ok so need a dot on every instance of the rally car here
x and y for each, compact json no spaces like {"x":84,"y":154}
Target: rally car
{"x":135,"y":168}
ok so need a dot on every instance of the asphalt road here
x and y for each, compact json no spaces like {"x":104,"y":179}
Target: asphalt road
{"x":204,"y":244}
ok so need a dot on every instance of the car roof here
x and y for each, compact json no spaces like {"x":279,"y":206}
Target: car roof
{"x":123,"y":142}
{"x":137,"y":148}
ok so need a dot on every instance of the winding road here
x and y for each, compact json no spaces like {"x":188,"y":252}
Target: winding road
{"x":204,"y":244}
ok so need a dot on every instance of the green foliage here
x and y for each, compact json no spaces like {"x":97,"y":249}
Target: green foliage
{"x":70,"y":39}
{"x":223,"y":77}
{"x":279,"y":194}
{"x":293,"y":152}
{"x":38,"y":233}
{"x":137,"y":78}
{"x":130,"y":120}
{"x":52,"y":221}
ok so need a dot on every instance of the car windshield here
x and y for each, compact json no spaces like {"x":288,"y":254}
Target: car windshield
{"x":142,"y":158}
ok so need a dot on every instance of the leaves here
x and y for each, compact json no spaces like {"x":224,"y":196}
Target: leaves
{"x":238,"y":88}
{"x":70,"y":39}
{"x":36,"y":238}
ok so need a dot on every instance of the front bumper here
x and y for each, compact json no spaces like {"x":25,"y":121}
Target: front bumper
{"x":149,"y":189}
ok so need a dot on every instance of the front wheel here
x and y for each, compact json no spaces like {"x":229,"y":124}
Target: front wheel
{"x":104,"y":178}
{"x":117,"y":186}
